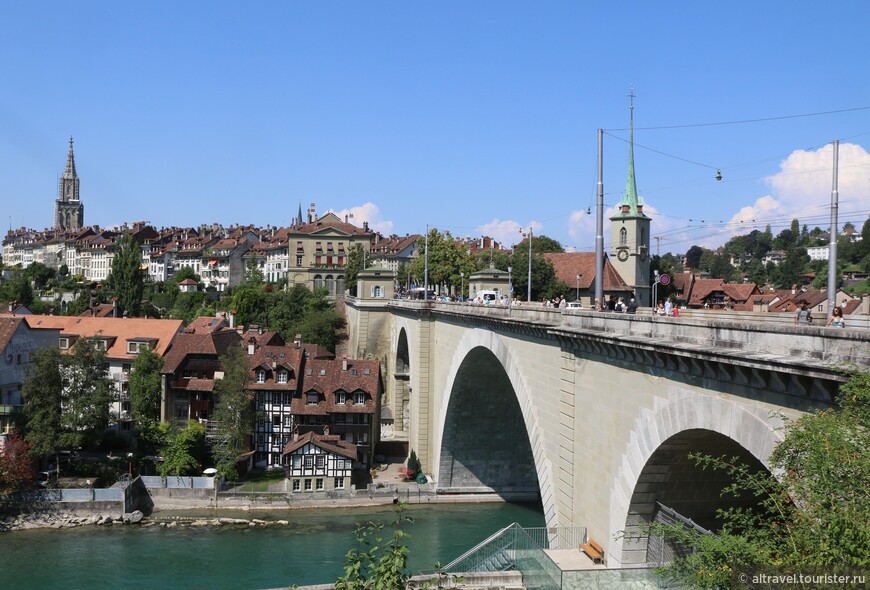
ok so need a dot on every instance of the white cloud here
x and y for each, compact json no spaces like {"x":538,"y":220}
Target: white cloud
{"x":802,"y":189}
{"x":368,"y":212}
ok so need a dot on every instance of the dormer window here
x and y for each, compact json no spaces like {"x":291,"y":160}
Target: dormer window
{"x":63,"y":343}
{"x":312,"y":398}
{"x":322,"y":372}
{"x":340,"y":397}
{"x":100,"y":344}
{"x":282,"y":376}
{"x":261,"y":376}
{"x":359,"y":398}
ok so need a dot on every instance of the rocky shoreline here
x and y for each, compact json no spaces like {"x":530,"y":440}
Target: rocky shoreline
{"x":71,"y":520}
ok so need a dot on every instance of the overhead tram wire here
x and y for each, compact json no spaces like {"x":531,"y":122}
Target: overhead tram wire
{"x":743,"y":121}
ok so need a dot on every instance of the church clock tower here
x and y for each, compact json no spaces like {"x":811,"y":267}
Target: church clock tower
{"x":629,"y":233}
{"x":69,"y":213}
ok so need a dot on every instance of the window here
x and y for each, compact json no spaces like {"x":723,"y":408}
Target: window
{"x":282,"y":376}
{"x":296,"y":485}
{"x":297,"y":461}
{"x":313,"y":398}
{"x":359,"y":398}
{"x":100,"y":344}
{"x":623,"y":237}
{"x":319,"y":483}
{"x":340,"y":397}
{"x":307,"y":485}
{"x":339,"y":483}
{"x":276,"y":420}
{"x":63,"y":343}
{"x":321,"y":461}
{"x":309,"y":461}
{"x":298,"y":261}
{"x":261,"y":376}
{"x":329,"y":246}
{"x":318,"y":247}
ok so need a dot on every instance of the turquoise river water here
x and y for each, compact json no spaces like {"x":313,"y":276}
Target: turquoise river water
{"x":309,"y":551}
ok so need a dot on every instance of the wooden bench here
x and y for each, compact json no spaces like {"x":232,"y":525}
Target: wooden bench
{"x":593,"y":550}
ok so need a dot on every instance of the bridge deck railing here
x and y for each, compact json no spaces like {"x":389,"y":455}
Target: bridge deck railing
{"x":767,"y":338}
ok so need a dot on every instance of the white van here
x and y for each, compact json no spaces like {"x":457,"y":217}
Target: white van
{"x":488,"y":297}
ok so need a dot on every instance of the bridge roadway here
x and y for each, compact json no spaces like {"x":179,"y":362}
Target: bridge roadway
{"x":595,"y":412}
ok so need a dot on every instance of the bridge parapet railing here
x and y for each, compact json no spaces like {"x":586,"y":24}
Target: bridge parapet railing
{"x":767,"y":337}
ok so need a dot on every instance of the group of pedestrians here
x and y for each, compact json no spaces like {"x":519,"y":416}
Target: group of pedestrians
{"x":558,"y":301}
{"x":667,"y":308}
{"x":804,"y":316}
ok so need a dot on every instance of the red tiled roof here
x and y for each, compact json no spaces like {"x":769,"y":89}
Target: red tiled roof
{"x":331,"y":443}
{"x":211,"y":343}
{"x":117,"y":330}
{"x":569,"y":264}
{"x":7,"y":329}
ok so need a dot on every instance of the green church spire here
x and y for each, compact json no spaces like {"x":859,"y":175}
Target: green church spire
{"x":631,"y":204}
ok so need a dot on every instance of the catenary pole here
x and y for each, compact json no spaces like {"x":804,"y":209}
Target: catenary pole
{"x":599,"y":223}
{"x":832,"y":255}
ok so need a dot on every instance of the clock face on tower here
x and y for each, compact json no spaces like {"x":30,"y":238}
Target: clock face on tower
{"x":622,"y":255}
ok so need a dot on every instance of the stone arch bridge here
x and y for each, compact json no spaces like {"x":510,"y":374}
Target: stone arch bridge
{"x":594,"y":413}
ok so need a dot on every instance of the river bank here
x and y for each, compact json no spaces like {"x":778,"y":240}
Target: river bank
{"x":198,"y":512}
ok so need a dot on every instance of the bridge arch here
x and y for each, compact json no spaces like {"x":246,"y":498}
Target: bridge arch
{"x":654,"y":466}
{"x":401,"y":404}
{"x":484,"y":359}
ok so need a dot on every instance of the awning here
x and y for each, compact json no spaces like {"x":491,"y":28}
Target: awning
{"x":213,"y":261}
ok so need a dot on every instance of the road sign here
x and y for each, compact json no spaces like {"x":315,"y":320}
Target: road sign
{"x":665,"y":280}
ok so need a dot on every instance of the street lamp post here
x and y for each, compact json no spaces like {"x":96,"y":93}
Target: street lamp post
{"x":529,"y":286}
{"x":510,"y":285}
{"x":462,"y":287}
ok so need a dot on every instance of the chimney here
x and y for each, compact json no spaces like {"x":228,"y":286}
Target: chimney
{"x":297,"y":340}
{"x":252,"y":346}
{"x":794,"y":289}
{"x":232,"y":318}
{"x":114,"y":307}
{"x":344,"y":362}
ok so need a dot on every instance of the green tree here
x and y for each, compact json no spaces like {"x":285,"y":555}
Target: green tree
{"x":184,"y":449}
{"x":40,"y":274}
{"x":693,"y":257}
{"x":17,"y":289}
{"x":144,"y":387}
{"x":126,"y":277}
{"x":815,"y":514}
{"x":446,"y":259}
{"x":41,"y":395}
{"x":543,"y":273}
{"x":287,"y":311}
{"x":234,"y":412}
{"x":189,"y":306}
{"x":355,"y":262}
{"x":251,"y":302}
{"x":86,"y":395}
{"x":320,"y":322}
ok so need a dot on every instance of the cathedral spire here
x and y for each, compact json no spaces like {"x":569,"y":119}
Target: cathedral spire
{"x":70,"y":171}
{"x":631,"y":204}
{"x":299,"y":216}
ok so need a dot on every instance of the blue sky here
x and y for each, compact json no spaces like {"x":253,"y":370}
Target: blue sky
{"x":475,"y":117}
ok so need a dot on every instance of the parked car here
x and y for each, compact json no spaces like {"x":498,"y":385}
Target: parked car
{"x":575,"y":305}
